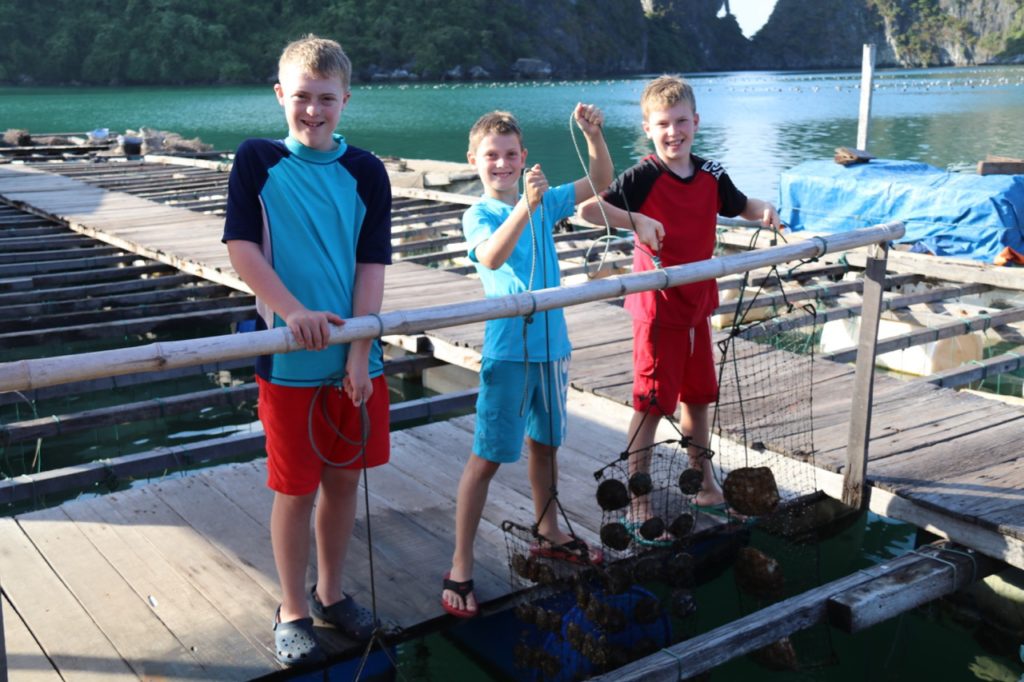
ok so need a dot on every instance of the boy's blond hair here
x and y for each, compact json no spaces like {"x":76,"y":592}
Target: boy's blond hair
{"x":496,"y":122}
{"x":666,"y":91}
{"x":317,"y":56}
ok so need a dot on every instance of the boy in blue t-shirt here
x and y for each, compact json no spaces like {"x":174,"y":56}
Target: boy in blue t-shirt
{"x":308,"y":228}
{"x":524,"y":373}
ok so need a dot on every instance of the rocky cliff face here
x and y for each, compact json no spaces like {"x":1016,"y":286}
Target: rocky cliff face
{"x":604,"y":37}
{"x":830,"y":33}
{"x":689,"y":35}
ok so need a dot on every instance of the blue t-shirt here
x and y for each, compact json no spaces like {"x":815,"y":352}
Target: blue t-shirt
{"x":315,"y":214}
{"x":503,"y":338}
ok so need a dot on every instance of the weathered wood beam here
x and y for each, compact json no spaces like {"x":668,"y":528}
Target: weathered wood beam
{"x":846,"y":312}
{"x":56,"y":425}
{"x":158,"y":461}
{"x":41,"y":296}
{"x":933,"y":267}
{"x":54,"y":324}
{"x":755,"y":631}
{"x":951,"y":269}
{"x":83,"y":276}
{"x":947,"y":570}
{"x":1001,"y":167}
{"x":957,"y":327}
{"x":123,"y":381}
{"x":122,"y":327}
{"x":978,"y":371}
{"x":56,"y":266}
{"x":15,"y":256}
{"x":37,"y":310}
{"x":808,"y":291}
{"x":31,"y":227}
{"x":58,"y":240}
{"x":432,"y":195}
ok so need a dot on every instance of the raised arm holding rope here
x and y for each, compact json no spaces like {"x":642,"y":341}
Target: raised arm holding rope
{"x":524,"y":373}
{"x":671,"y":199}
{"x":308,"y":228}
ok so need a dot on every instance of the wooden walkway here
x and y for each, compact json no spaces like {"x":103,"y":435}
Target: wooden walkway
{"x":175,"y":579}
{"x":943,"y":460}
{"x":163,"y":582}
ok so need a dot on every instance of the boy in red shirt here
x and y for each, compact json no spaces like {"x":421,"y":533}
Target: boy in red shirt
{"x":672,"y":199}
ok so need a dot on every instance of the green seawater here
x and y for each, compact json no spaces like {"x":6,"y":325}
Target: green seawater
{"x":755,"y":123}
{"x":936,"y":642}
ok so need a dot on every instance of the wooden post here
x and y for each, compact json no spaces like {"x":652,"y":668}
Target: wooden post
{"x":864,"y":378}
{"x":3,"y":641}
{"x":867,"y":79}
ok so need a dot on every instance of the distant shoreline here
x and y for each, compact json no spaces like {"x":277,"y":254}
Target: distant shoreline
{"x":509,"y":81}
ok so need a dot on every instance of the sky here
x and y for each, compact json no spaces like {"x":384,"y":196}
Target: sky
{"x":751,"y":14}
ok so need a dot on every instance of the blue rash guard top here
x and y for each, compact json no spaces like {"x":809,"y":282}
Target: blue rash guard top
{"x":315,"y":214}
{"x":534,"y":254}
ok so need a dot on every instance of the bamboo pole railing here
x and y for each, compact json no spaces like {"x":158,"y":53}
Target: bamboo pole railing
{"x":37,"y":373}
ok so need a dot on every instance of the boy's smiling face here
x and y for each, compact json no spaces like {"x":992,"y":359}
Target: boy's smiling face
{"x":671,"y":130}
{"x":499,"y":160}
{"x":312,"y":105}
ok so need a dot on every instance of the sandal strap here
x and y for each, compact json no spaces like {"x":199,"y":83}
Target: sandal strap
{"x":576,"y":545}
{"x":463,"y":588}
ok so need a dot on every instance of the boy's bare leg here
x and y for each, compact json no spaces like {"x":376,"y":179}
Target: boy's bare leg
{"x":469,"y":508}
{"x":694,"y":423}
{"x":642,"y":429}
{"x":335,"y":518}
{"x":289,"y":537}
{"x":543,"y":471}
{"x":542,"y":466}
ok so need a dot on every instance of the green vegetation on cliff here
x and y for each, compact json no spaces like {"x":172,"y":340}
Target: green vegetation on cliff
{"x":218,"y":41}
{"x":237,"y":41}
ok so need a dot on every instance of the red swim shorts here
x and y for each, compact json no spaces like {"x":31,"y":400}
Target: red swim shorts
{"x":675,"y":364}
{"x":293,"y":467}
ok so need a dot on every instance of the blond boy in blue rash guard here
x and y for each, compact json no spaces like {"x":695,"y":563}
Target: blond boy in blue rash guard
{"x":308,"y":228}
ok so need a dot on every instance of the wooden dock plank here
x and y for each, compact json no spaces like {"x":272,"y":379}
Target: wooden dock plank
{"x":245,"y":485}
{"x":125,"y":618}
{"x":212,"y":573}
{"x":61,"y":625}
{"x":996,"y":493}
{"x":247,"y":542}
{"x":25,"y":660}
{"x":223,"y":651}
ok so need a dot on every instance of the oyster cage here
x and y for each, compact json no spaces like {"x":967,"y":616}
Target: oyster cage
{"x":647,"y":504}
{"x":605,"y":617}
{"x":532,"y":561}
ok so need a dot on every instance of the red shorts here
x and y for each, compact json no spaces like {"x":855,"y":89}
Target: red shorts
{"x":293,"y":467}
{"x":675,"y":364}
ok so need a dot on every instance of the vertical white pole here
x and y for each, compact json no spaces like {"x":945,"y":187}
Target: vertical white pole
{"x":867,"y":77}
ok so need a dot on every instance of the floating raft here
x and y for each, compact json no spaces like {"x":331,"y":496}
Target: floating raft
{"x":944,"y":461}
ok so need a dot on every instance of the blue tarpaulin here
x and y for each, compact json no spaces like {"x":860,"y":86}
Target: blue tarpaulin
{"x":947,"y":214}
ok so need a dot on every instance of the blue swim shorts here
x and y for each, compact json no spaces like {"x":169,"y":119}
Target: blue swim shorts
{"x":503,"y":415}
